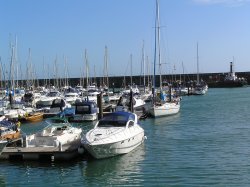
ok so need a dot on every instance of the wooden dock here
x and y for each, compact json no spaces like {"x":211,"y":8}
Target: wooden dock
{"x":20,"y":152}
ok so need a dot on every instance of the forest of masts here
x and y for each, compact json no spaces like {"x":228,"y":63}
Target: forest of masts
{"x":15,"y":77}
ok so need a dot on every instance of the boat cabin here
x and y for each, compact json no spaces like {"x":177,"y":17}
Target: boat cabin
{"x":86,"y":107}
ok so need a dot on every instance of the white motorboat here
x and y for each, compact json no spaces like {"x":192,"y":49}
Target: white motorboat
{"x":115,"y":134}
{"x":46,"y":101}
{"x":57,"y":106}
{"x":31,"y":98}
{"x":59,"y":132}
{"x":16,"y":111}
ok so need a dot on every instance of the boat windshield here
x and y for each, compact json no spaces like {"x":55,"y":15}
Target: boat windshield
{"x":55,"y":121}
{"x":116,"y":120}
{"x":52,"y":94}
{"x":85,"y":109}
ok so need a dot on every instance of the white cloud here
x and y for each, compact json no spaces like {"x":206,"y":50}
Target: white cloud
{"x":225,"y":2}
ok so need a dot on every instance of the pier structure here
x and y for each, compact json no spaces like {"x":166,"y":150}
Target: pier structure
{"x":18,"y":150}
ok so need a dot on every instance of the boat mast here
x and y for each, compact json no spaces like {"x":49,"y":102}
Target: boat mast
{"x":82,"y":73}
{"x":44,"y":80}
{"x":66,"y":72}
{"x":155,"y":46}
{"x":16,"y":65}
{"x":143,"y":66}
{"x":95,"y":76}
{"x":198,"y":75}
{"x":12,"y":68}
{"x":131,"y":82}
{"x":49,"y":78}
{"x":56,"y":81}
{"x":106,"y":76}
{"x":147,"y":62}
{"x":159,"y":48}
{"x":87,"y":69}
{"x":1,"y":73}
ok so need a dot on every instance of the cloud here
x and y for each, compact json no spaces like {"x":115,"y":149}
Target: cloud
{"x":225,"y":2}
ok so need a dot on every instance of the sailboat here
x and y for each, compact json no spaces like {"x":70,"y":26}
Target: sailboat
{"x":164,"y":106}
{"x":201,"y":87}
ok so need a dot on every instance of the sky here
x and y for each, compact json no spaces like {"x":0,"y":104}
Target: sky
{"x":62,"y":30}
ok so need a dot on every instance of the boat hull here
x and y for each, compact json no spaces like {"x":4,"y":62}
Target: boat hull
{"x":227,"y":84}
{"x":199,"y":92}
{"x":117,"y":148}
{"x":165,"y":109}
{"x":35,"y":117}
{"x":11,"y":136}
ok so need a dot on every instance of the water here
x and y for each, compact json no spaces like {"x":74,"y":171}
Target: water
{"x":206,"y":144}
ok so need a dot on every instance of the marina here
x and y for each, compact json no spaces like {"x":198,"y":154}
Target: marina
{"x":128,"y":93}
{"x":205,"y":144}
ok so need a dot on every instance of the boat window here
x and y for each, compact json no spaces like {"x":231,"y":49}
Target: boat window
{"x":58,"y":128}
{"x":131,"y":123}
{"x":116,"y":120}
{"x":52,"y":94}
{"x":83,"y":109}
{"x":105,"y":123}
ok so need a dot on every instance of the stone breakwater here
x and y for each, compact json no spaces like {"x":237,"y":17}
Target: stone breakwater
{"x":119,"y":81}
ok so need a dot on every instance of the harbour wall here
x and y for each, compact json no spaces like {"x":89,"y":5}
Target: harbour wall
{"x":120,"y":81}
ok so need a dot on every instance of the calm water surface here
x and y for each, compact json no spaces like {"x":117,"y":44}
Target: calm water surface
{"x":206,"y":144}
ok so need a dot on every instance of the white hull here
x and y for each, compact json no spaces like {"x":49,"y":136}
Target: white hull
{"x":115,"y":134}
{"x":165,"y":109}
{"x":14,"y":113}
{"x":199,"y":92}
{"x":117,"y":148}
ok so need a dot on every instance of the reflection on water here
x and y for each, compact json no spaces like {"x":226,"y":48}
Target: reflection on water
{"x":166,"y":120}
{"x":2,"y":180}
{"x":115,"y":170}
